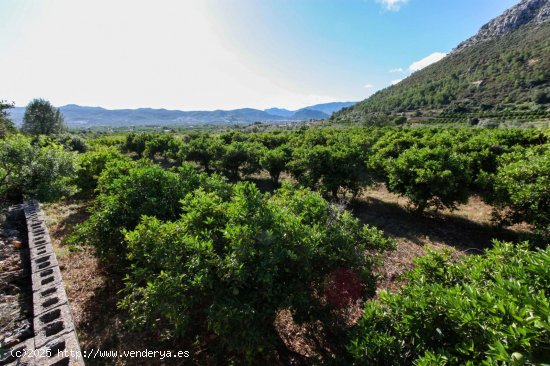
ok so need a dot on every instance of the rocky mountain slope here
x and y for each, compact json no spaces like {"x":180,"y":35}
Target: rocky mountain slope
{"x":526,"y":12}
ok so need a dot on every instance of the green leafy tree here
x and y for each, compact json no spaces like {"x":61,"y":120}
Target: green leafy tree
{"x":204,"y":149}
{"x":430,"y":177}
{"x":31,"y":171}
{"x":137,"y":142}
{"x":330,"y":169}
{"x":6,"y":125}
{"x":275,"y":161}
{"x":521,"y":188}
{"x":91,"y":165}
{"x":227,"y":267}
{"x":241,"y":157}
{"x":72,"y":143}
{"x":41,"y":118}
{"x":166,"y":145}
{"x":126,"y":191}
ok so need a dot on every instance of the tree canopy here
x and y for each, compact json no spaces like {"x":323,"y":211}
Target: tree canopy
{"x":42,"y":118}
{"x":6,"y":125}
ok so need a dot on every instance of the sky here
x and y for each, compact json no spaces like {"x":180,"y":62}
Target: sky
{"x":224,"y":54}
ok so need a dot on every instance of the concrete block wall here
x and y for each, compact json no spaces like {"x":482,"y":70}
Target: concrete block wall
{"x":55,"y":342}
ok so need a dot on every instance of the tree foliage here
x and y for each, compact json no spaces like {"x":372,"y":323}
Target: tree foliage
{"x":92,"y":164}
{"x":41,"y":118}
{"x":126,"y":191}
{"x":231,"y":262}
{"x":6,"y":125}
{"x":32,"y":171}
{"x":482,"y":310}
{"x":430,"y":177}
{"x":521,"y":188}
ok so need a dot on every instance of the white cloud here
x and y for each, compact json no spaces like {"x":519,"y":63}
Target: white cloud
{"x":426,"y":61}
{"x":369,"y":86}
{"x":393,"y":82}
{"x":397,"y":70}
{"x":393,"y":5}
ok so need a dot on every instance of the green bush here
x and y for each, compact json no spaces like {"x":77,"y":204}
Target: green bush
{"x":31,"y":171}
{"x":275,"y":161}
{"x":240,"y":157}
{"x":7,"y":127}
{"x":491,"y":310}
{"x":430,"y":177}
{"x":126,"y":191}
{"x":231,"y":262}
{"x":167,"y":146}
{"x":330,"y":169}
{"x":522,"y":188}
{"x":204,"y":149}
{"x":107,"y":141}
{"x":72,"y":143}
{"x":137,"y":142}
{"x":91,"y":165}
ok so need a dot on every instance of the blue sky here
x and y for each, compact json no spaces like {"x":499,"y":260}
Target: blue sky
{"x":210,"y":54}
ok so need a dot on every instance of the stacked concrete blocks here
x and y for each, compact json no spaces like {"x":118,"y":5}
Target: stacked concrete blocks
{"x":55,"y":342}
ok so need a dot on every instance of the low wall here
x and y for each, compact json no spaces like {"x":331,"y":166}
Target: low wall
{"x":55,"y":342}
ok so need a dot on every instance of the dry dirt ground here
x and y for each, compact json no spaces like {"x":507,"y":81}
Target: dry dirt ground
{"x":467,"y":230}
{"x":92,"y":289}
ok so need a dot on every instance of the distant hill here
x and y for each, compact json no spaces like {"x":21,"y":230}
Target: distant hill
{"x":317,"y":111}
{"x":307,"y":114}
{"x":82,"y":116}
{"x":505,"y":67}
{"x":281,"y":112}
{"x":329,"y":108}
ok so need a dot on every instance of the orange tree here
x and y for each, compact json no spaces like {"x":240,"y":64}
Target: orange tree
{"x":234,"y":259}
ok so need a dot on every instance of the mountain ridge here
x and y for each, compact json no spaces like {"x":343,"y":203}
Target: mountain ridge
{"x":88,"y":116}
{"x":524,"y":13}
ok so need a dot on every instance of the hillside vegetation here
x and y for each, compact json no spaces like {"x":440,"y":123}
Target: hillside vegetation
{"x":507,"y":74}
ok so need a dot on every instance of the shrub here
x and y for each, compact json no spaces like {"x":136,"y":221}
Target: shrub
{"x":127,"y":191}
{"x":91,"y":165}
{"x":330,"y":169}
{"x":167,"y":146}
{"x":72,"y":143}
{"x":108,"y":141}
{"x":430,"y":177}
{"x":224,"y":270}
{"x":136,"y":142}
{"x":241,"y":157}
{"x":275,"y":161}
{"x":488,"y":310}
{"x":522,"y":188}
{"x":203,"y":149}
{"x":7,"y":127}
{"x":31,"y":171}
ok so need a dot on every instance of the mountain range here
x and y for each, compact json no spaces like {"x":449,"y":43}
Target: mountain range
{"x":504,"y":68}
{"x":81,"y":116}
